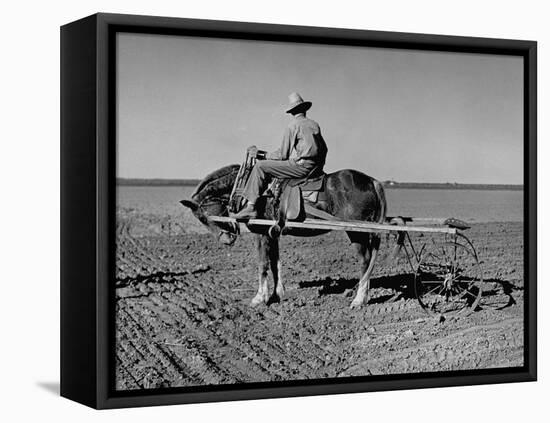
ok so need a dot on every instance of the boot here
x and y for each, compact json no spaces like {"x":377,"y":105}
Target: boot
{"x":249,"y":212}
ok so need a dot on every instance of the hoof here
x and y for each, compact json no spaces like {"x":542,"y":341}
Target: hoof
{"x":274,"y":299}
{"x":356,"y":304}
{"x":359,"y":300}
{"x":257,"y":300}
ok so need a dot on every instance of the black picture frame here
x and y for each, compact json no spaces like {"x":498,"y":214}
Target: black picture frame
{"x":88,"y":194}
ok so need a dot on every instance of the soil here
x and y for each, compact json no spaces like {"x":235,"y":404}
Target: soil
{"x":183,"y":314}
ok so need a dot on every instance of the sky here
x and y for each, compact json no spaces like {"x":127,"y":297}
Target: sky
{"x":189,"y":105}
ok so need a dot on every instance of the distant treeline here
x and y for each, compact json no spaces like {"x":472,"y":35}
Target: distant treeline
{"x":451,"y":185}
{"x":156,"y":182}
{"x":387,"y":184}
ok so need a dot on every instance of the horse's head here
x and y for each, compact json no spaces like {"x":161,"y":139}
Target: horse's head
{"x":211,"y":198}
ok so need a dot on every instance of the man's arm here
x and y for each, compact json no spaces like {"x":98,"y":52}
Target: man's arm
{"x":284,"y":152}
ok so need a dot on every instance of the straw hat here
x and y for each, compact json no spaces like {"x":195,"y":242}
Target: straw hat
{"x":295,"y":101}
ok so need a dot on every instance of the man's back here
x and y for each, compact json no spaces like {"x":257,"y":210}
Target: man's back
{"x":308,"y":141}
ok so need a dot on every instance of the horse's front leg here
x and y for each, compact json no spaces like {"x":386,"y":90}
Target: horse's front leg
{"x":262,"y":245}
{"x":275,"y":263}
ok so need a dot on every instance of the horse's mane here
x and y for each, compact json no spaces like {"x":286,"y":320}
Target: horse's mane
{"x":217,"y":183}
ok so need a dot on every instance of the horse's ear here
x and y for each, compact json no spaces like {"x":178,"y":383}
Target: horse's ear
{"x":191,"y":204}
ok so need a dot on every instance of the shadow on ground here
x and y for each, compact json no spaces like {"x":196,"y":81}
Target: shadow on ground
{"x":402,"y":286}
{"x":51,"y":387}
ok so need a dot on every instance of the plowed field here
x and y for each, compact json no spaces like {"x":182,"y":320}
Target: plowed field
{"x":183,"y":317}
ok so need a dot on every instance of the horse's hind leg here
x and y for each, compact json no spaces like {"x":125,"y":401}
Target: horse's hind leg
{"x":364,"y":283}
{"x":360,"y":242}
{"x":263,"y":247}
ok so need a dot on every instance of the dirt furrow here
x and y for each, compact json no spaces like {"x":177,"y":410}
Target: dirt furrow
{"x":249,"y":348}
{"x":192,"y":361}
{"x":217,"y":339}
{"x":148,"y":364}
{"x":178,"y":327}
{"x":298,"y":356}
{"x":485,"y":342}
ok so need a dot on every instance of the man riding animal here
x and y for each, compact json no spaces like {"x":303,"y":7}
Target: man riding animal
{"x":302,"y":153}
{"x":349,"y":195}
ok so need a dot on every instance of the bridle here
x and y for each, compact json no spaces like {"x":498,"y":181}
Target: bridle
{"x":209,"y":201}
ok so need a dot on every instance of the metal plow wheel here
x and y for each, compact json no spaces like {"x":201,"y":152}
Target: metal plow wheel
{"x":449,"y":279}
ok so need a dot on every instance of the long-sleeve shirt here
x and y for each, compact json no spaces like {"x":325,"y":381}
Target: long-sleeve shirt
{"x":302,"y":143}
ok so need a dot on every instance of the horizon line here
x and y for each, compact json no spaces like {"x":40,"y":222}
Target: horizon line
{"x":387,"y":183}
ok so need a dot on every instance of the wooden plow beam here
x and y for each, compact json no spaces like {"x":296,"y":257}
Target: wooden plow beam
{"x":333,"y":225}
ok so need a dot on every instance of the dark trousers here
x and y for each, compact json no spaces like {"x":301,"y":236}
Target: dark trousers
{"x":283,"y":169}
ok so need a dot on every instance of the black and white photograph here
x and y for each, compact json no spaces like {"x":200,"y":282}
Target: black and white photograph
{"x":275,"y":212}
{"x":291,"y":211}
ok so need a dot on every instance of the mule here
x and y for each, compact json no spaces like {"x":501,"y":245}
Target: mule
{"x":350,"y":195}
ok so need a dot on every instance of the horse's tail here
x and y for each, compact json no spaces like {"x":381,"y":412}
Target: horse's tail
{"x":382,"y":217}
{"x":382,"y":200}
